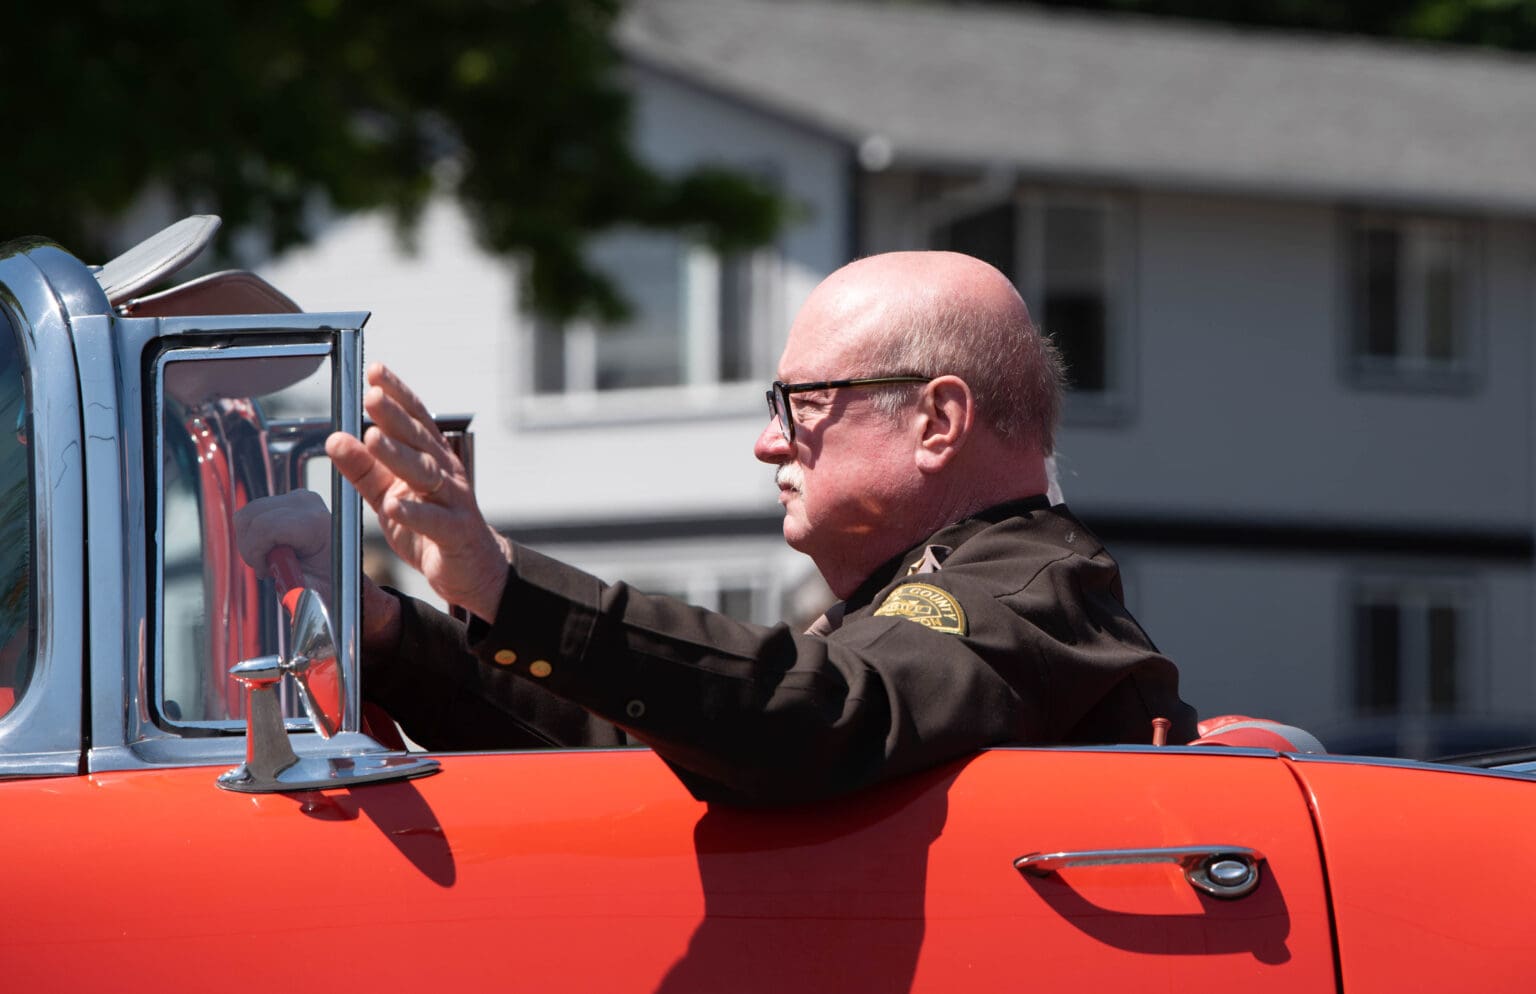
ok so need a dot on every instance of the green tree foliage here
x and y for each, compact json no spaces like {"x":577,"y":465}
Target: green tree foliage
{"x":1507,"y":24}
{"x":258,"y":111}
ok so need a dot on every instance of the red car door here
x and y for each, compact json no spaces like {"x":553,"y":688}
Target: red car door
{"x":595,"y":871}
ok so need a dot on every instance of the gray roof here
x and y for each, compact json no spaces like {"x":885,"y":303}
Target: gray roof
{"x":1118,"y":99}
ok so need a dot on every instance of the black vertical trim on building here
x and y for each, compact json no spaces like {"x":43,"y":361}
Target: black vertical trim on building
{"x":1506,"y":545}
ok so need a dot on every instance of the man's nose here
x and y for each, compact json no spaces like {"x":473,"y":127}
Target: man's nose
{"x":771,"y":445}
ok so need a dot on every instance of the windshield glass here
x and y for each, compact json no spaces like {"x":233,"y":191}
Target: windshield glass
{"x":16,"y":514}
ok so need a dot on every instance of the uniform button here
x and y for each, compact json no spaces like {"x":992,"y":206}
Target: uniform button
{"x":635,"y":709}
{"x":505,"y":657}
{"x":540,"y":668}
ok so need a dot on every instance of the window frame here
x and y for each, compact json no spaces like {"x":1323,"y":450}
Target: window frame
{"x":1410,"y":368}
{"x":268,"y":620}
{"x":698,"y":569}
{"x":1415,"y":595}
{"x":1116,"y":403}
{"x":124,"y":623}
{"x":701,"y":390}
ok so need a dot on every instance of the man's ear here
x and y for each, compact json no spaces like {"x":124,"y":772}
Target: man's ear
{"x":946,"y":411}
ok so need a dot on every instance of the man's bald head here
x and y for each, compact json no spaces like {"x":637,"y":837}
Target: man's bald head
{"x":937,"y":313}
{"x":873,"y":467}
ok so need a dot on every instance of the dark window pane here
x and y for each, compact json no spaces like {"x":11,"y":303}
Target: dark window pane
{"x":647,"y":349}
{"x":1075,"y":248}
{"x":1440,"y":316}
{"x":1441,"y":301}
{"x":1075,"y":291}
{"x":17,"y":646}
{"x":548,"y":357}
{"x":737,"y":602}
{"x":1442,"y":658}
{"x":1377,"y":273}
{"x":1076,"y":323}
{"x":988,"y":235}
{"x":1378,"y":656}
{"x":736,"y":318}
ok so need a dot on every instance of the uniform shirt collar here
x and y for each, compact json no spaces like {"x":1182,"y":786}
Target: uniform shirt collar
{"x":950,"y":535}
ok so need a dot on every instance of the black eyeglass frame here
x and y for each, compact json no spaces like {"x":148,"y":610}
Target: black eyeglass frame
{"x":779,"y":408}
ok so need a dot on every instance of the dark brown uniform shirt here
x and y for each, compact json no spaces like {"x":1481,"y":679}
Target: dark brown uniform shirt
{"x":1007,"y":627}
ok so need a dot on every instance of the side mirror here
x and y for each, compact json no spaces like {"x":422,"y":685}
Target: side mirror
{"x":270,"y":764}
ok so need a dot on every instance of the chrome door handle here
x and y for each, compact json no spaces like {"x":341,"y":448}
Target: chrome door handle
{"x":1220,"y":871}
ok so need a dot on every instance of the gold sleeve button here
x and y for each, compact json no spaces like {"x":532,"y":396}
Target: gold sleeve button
{"x":505,"y":657}
{"x":540,"y":668}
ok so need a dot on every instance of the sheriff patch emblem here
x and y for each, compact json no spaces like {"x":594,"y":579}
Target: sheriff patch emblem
{"x":925,"y":604}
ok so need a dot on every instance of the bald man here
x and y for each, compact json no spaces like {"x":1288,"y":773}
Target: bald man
{"x":911,"y":422}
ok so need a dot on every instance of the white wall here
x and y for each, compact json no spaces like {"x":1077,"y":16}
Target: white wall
{"x":1271,"y":634}
{"x":1241,"y":402}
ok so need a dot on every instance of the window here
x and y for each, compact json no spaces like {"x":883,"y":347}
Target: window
{"x":1065,"y":253}
{"x":740,"y":596}
{"x":697,"y":318}
{"x":1412,"y":306}
{"x":234,"y":424}
{"x":748,"y":578}
{"x":16,"y":523}
{"x":1412,"y":647}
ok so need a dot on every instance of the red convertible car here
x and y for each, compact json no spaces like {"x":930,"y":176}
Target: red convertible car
{"x":190,"y":800}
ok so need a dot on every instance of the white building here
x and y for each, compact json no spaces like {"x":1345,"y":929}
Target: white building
{"x":1294,"y":277}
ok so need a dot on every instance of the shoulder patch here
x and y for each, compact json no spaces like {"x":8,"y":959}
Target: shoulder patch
{"x":925,"y":604}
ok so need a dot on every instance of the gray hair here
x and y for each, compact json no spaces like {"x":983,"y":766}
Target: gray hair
{"x":1013,"y":370}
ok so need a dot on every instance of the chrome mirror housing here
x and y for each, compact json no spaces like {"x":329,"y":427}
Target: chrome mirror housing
{"x":313,"y":666}
{"x":270,"y":764}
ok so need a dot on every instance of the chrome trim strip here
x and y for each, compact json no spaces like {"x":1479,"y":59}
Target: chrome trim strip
{"x":347,"y":506}
{"x":221,"y":750}
{"x":255,"y":324}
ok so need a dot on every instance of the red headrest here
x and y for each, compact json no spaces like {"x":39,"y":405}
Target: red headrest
{"x":1256,"y":733}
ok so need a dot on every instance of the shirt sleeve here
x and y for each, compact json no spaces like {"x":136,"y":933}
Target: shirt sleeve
{"x":748,"y":713}
{"x":445,"y":700}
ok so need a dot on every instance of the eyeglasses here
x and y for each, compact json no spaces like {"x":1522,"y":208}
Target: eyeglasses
{"x":778,"y":395}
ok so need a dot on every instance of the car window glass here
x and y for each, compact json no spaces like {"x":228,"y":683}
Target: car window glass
{"x":16,"y":523}
{"x":234,"y":426}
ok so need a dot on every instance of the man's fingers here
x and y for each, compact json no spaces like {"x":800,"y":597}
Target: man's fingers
{"x":414,"y":451}
{"x":402,"y":425}
{"x":392,"y":386}
{"x":420,"y":471}
{"x":353,"y":460}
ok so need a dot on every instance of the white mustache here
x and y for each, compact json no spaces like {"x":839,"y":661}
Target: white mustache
{"x":788,"y":475}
